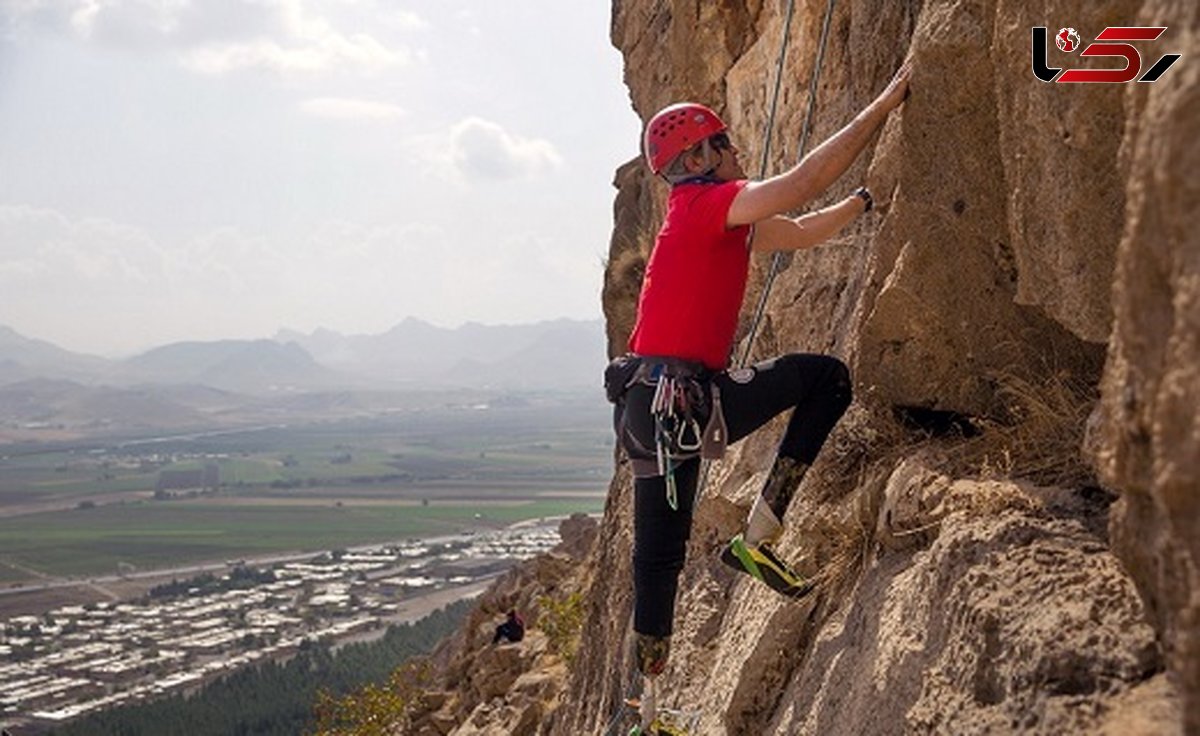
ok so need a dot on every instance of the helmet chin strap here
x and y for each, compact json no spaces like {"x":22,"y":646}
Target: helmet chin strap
{"x":709,"y":168}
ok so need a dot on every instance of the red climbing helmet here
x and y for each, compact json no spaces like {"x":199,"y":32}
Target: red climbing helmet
{"x":675,"y":129}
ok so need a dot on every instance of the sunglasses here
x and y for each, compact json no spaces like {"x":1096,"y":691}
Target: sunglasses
{"x":720,"y":142}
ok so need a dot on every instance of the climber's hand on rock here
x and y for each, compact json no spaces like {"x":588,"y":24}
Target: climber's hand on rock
{"x":897,"y":90}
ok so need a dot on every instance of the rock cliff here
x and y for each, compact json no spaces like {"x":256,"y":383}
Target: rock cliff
{"x":1006,"y":525}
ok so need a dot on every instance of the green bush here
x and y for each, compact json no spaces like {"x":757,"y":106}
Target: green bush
{"x":562,"y":620}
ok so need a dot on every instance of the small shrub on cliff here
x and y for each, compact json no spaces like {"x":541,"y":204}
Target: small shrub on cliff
{"x":562,"y":621}
{"x":375,"y":710}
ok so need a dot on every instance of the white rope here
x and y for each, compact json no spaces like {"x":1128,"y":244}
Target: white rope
{"x":769,"y":132}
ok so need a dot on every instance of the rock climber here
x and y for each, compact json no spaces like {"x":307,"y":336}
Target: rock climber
{"x":513,"y":628}
{"x":675,"y":394}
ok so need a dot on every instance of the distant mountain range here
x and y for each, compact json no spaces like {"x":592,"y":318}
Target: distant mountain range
{"x":45,"y":402}
{"x":243,"y":366}
{"x":556,"y":354}
{"x":23,"y":358}
{"x":560,"y":354}
{"x":46,"y":390}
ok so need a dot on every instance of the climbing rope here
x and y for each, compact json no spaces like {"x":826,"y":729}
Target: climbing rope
{"x":770,"y":130}
{"x":777,"y":259}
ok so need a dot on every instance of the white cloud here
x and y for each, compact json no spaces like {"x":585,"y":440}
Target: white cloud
{"x":481,"y":148}
{"x":218,"y":192}
{"x":224,"y":36}
{"x":46,"y":245}
{"x":128,"y":21}
{"x":305,"y":55}
{"x":344,"y":108}
{"x":142,"y":23}
{"x":404,"y":20}
{"x":467,"y":18}
{"x":304,"y":41}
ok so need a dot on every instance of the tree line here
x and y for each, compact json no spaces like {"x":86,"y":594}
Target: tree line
{"x":239,"y":578}
{"x":274,"y":698}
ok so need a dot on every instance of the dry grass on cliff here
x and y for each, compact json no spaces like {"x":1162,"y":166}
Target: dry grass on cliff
{"x":1041,"y":437}
{"x":840,"y":546}
{"x":848,"y":483}
{"x":1038,"y":440}
{"x":867,"y":442}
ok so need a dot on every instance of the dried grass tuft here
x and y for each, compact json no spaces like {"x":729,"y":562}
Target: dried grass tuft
{"x":848,"y":485}
{"x":846,"y":545}
{"x":1037,"y":438}
{"x":1041,"y":436}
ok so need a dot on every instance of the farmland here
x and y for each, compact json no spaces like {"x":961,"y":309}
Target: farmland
{"x":96,"y":507}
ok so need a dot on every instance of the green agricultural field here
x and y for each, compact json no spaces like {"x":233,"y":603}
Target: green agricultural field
{"x":161,"y":534}
{"x":80,"y":509}
{"x":10,"y":575}
{"x":61,"y":475}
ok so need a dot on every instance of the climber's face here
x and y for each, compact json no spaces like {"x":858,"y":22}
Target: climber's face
{"x":728,"y":166}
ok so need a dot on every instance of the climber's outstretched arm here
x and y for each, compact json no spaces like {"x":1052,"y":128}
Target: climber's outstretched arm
{"x":806,"y":180}
{"x":813,"y":228}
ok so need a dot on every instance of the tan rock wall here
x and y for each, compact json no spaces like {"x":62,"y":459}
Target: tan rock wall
{"x":1149,"y":422}
{"x":1024,"y":229}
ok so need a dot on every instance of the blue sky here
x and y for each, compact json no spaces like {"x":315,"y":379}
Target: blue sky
{"x":205,"y":169}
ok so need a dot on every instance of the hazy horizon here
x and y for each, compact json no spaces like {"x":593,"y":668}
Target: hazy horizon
{"x":204,"y":171}
{"x":273,"y":334}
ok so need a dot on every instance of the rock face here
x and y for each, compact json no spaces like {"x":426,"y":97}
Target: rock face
{"x":1149,"y":419}
{"x":1005,"y":527}
{"x":1032,"y":273}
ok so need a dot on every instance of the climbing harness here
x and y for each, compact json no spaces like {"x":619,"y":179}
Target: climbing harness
{"x":686,"y":424}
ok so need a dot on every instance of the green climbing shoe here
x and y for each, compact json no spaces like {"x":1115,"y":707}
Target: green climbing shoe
{"x":760,"y":562}
{"x":660,"y":728}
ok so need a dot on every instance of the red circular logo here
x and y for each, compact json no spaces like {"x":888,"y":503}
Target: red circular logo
{"x":1067,"y":39}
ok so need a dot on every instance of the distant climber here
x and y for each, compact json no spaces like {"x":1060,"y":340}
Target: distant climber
{"x":676,"y":398}
{"x":513,"y":628}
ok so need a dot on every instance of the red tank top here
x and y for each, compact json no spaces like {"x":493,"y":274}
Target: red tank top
{"x":696,"y":279}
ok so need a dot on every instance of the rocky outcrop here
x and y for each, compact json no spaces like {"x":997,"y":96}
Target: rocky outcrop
{"x":1022,"y":316}
{"x":509,"y":689}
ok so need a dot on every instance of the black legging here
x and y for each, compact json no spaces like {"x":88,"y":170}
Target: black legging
{"x":816,"y":386}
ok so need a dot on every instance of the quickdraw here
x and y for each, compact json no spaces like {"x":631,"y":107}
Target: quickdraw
{"x":677,"y":402}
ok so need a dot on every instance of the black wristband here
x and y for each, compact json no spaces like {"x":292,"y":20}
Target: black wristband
{"x":865,"y":195}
